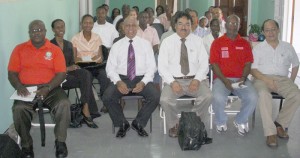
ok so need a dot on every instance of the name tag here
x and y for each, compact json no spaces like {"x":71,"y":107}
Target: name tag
{"x":239,"y":48}
{"x":224,"y":48}
{"x":225,"y":54}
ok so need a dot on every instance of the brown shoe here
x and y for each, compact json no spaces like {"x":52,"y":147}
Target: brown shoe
{"x":281,"y":133}
{"x":173,"y":132}
{"x":272,"y":141}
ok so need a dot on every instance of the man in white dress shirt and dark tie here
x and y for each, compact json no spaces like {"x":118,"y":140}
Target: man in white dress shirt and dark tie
{"x":131,"y":67}
{"x":183,"y":66}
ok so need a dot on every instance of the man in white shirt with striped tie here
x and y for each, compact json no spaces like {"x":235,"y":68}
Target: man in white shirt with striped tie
{"x":131,"y":67}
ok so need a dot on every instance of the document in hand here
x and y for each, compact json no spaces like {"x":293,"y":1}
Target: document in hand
{"x":238,"y":85}
{"x":30,"y":97}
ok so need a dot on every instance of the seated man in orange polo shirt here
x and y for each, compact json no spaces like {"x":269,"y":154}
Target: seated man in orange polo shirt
{"x":40,"y":63}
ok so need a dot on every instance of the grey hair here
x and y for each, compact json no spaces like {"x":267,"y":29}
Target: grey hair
{"x":233,"y":16}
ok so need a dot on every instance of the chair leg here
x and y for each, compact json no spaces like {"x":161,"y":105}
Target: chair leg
{"x":253,"y":119}
{"x":165,"y":125}
{"x":280,"y":105}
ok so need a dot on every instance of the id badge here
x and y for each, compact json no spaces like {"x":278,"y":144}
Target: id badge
{"x":225,"y":54}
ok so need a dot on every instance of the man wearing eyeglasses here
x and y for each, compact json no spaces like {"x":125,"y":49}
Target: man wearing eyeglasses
{"x":40,"y":63}
{"x":272,"y":60}
{"x":231,"y":58}
{"x":183,"y":66}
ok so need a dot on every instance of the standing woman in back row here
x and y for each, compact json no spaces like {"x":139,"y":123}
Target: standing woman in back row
{"x":76,"y":77}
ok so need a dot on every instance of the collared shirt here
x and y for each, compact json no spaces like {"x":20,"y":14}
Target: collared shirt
{"x":149,"y":34}
{"x":164,"y":21}
{"x":107,"y":33}
{"x":84,"y":47}
{"x":166,"y":34}
{"x":276,"y":61}
{"x":144,"y":59}
{"x":208,"y":40}
{"x":36,"y":66}
{"x":231,"y":55}
{"x":169,"y":58}
{"x":201,"y":32}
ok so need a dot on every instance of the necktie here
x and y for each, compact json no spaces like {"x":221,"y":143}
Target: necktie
{"x":184,"y":60}
{"x":131,"y":62}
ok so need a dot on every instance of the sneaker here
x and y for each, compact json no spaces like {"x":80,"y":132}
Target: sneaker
{"x":221,"y":128}
{"x":243,"y":128}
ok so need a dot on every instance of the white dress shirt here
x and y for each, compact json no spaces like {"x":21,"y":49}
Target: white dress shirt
{"x":208,"y":40}
{"x":272,"y":61}
{"x":169,"y":58}
{"x":144,"y":59}
{"x":107,"y":33}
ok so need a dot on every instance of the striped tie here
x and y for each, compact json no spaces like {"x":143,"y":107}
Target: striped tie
{"x":131,"y":62}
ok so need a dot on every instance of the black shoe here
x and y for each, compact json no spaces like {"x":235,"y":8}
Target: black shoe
{"x":95,"y":115}
{"x":122,"y":130}
{"x":104,"y":109}
{"x":139,"y":129}
{"x":61,"y":149}
{"x":89,"y":121}
{"x":27,"y":153}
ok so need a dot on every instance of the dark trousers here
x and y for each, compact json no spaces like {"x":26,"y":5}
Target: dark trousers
{"x":82,"y":79}
{"x":59,"y":105}
{"x":100,"y":75}
{"x":112,"y":96}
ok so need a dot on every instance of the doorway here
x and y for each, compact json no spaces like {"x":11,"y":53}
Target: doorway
{"x":238,"y":7}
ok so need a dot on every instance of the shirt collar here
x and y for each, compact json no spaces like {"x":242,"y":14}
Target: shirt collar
{"x":46,"y":44}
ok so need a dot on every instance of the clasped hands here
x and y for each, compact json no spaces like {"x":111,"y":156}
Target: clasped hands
{"x":122,"y":87}
{"x":193,"y":86}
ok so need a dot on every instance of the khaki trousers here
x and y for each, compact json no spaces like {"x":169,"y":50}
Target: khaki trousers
{"x":287,"y":89}
{"x":169,"y":103}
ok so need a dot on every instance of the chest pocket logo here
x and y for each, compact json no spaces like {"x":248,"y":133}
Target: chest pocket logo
{"x":48,"y":56}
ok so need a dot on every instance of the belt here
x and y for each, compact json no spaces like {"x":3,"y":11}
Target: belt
{"x":185,"y":77}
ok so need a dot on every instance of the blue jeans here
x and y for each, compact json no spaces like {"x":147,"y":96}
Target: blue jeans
{"x":247,"y":95}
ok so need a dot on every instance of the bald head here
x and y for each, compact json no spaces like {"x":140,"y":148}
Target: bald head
{"x":37,"y":33}
{"x":36,"y":22}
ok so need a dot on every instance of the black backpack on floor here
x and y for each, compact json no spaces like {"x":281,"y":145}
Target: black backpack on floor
{"x":191,"y":132}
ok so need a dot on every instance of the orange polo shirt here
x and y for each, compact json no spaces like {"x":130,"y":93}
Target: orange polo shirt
{"x":231,"y":55}
{"x":36,"y":66}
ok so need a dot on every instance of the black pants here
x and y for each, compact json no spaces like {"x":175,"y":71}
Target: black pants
{"x":59,"y":106}
{"x":112,"y":96}
{"x":82,"y":79}
{"x":100,"y":75}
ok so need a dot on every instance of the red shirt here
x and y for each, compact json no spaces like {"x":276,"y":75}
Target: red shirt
{"x":231,"y":55}
{"x":36,"y":66}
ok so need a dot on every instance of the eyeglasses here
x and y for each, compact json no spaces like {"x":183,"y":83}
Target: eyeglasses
{"x":183,"y":25}
{"x":270,"y":30}
{"x":36,"y":30}
{"x":233,"y":23}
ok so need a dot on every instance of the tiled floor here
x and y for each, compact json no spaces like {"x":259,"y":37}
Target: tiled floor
{"x":85,"y":142}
